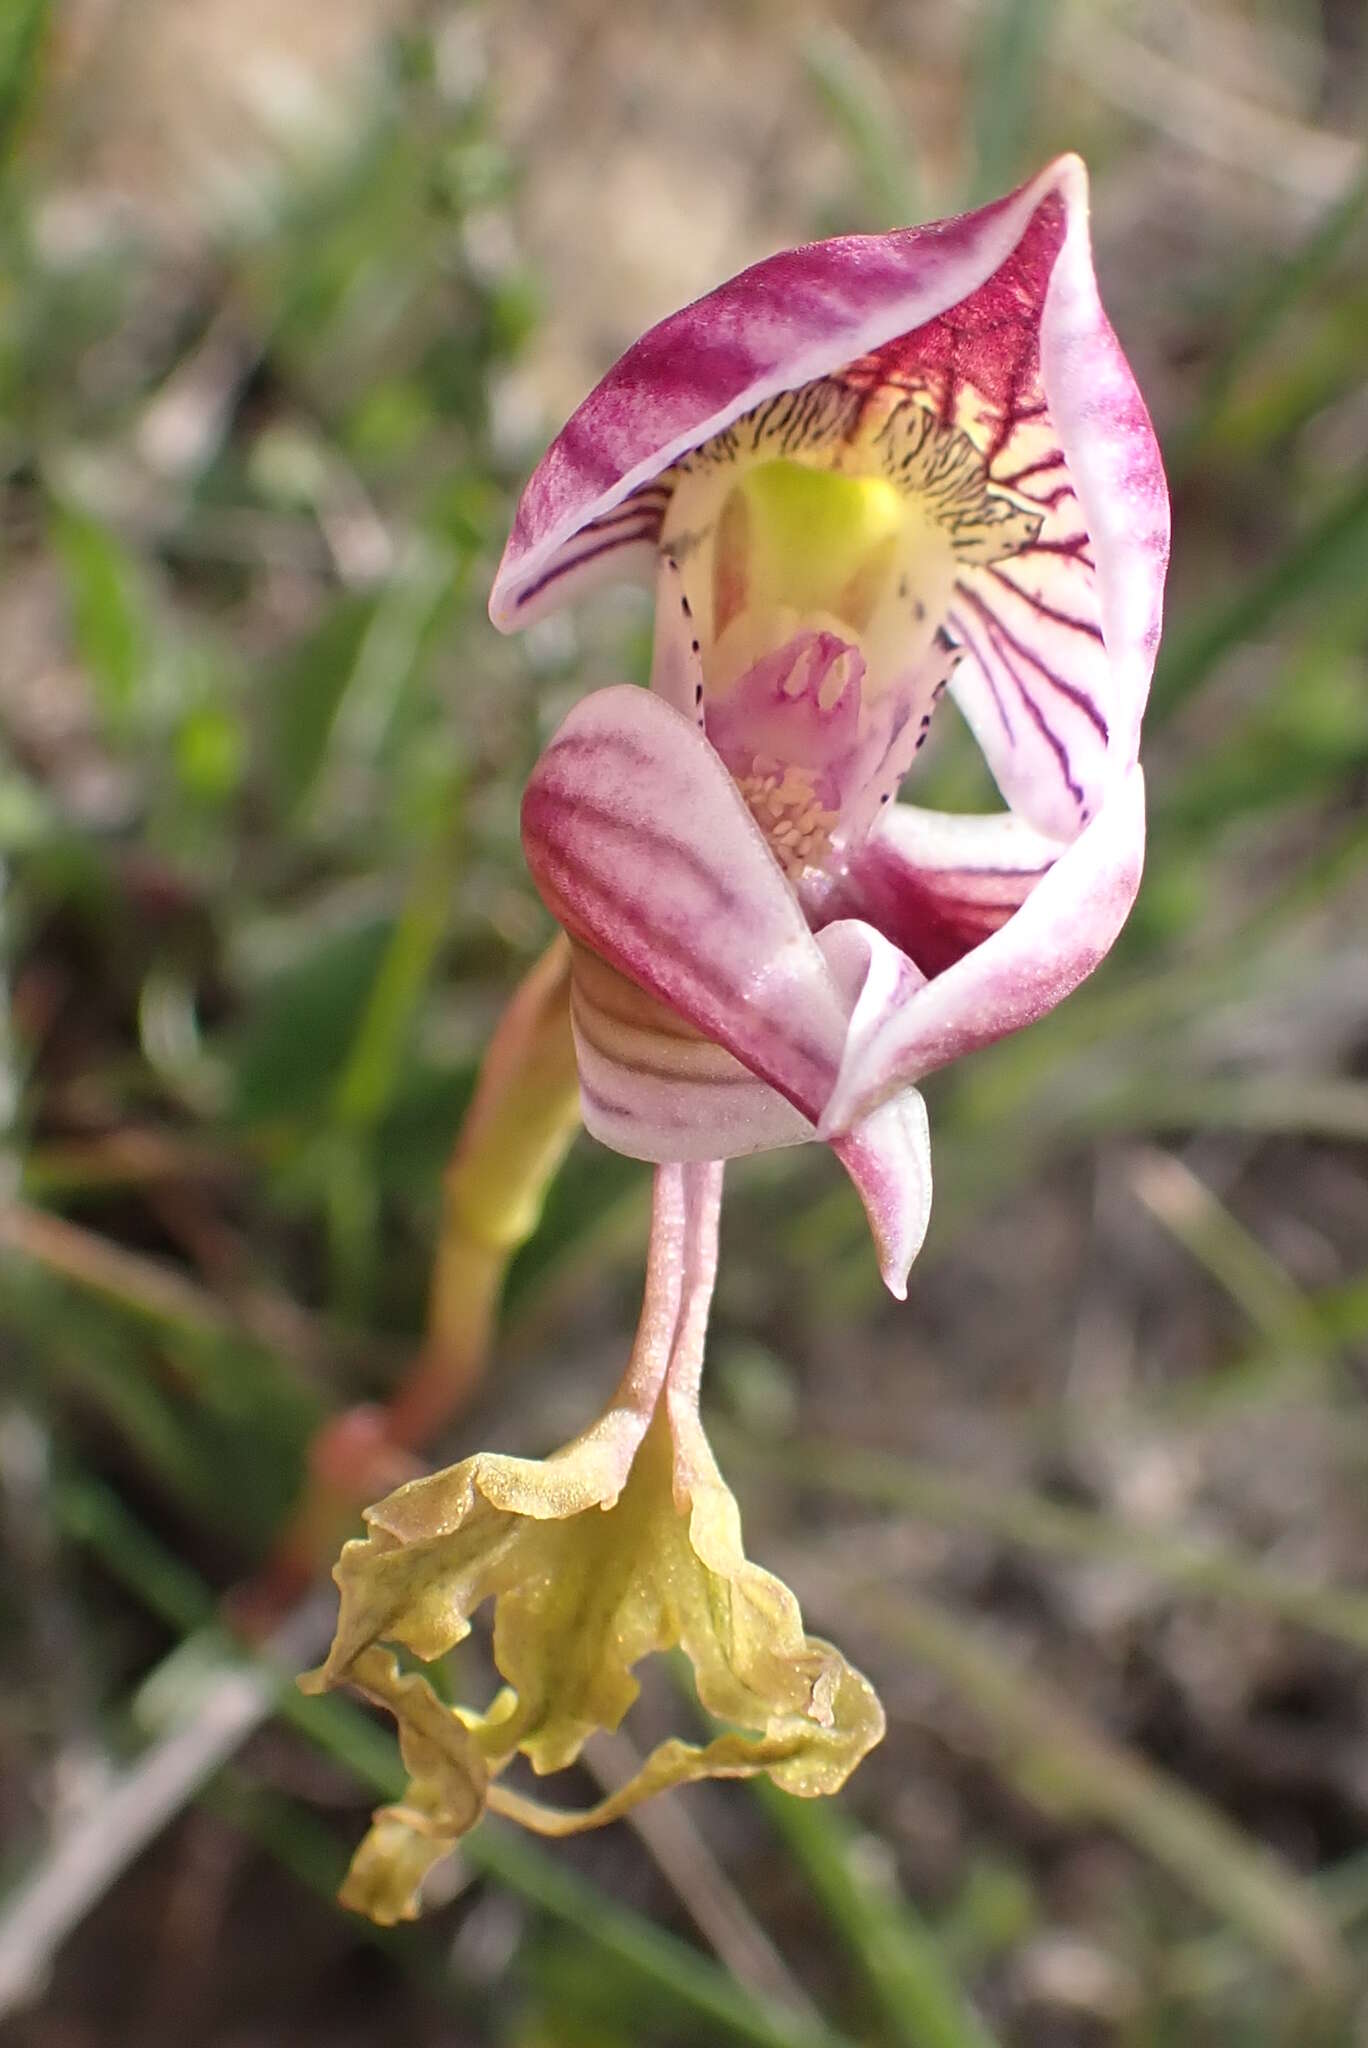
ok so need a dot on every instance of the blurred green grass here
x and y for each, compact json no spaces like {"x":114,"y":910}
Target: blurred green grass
{"x":260,"y":757}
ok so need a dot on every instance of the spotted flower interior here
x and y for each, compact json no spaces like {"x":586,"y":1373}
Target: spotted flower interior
{"x":818,"y":543}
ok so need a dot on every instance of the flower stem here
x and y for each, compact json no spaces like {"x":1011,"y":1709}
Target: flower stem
{"x":516,"y":1132}
{"x":515,"y":1135}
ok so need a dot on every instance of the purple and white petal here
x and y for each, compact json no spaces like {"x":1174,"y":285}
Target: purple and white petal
{"x":1065,"y":926}
{"x":1061,"y":637}
{"x":888,"y":1157}
{"x":937,"y":885}
{"x":1037,"y":687}
{"x":1114,"y":461}
{"x":653,"y":1088}
{"x":888,"y":1152}
{"x":616,"y":545}
{"x":708,"y":1020}
{"x":642,"y":847}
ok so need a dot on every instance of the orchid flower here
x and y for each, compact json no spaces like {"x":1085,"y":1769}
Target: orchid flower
{"x":860,"y":474}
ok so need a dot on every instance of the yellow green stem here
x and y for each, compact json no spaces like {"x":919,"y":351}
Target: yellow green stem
{"x":516,"y":1132}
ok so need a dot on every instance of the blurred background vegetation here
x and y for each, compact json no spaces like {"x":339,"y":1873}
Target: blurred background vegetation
{"x":291,"y":296}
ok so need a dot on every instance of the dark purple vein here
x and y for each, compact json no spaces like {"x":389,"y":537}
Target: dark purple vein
{"x":1076,"y":696}
{"x":986,"y":672}
{"x":1049,"y":611}
{"x":649,"y":532}
{"x":1033,"y":710}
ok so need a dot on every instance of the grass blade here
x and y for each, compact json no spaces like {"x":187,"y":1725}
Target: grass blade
{"x":923,"y":2006}
{"x":1071,"y":1768}
{"x":959,"y":1501}
{"x":1330,"y":551}
{"x":1011,"y":51}
{"x":1191,"y":1214}
{"x":23,"y":26}
{"x":855,"y":97}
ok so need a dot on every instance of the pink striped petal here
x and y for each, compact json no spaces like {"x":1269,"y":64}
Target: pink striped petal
{"x":798,"y":316}
{"x":708,"y":1020}
{"x":888,"y":1152}
{"x":888,"y":1157}
{"x":642,"y":847}
{"x":1061,"y":637}
{"x":654,"y":1088}
{"x":937,"y":885}
{"x":1037,"y":685}
{"x":1065,"y":926}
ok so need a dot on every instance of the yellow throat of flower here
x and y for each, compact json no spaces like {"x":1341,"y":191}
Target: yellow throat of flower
{"x":828,"y":511}
{"x":783,"y":546}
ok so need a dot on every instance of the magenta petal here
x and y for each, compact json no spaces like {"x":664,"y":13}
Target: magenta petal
{"x":643,"y":848}
{"x":1064,"y":927}
{"x":987,"y":300}
{"x":786,"y":321}
{"x":937,"y":885}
